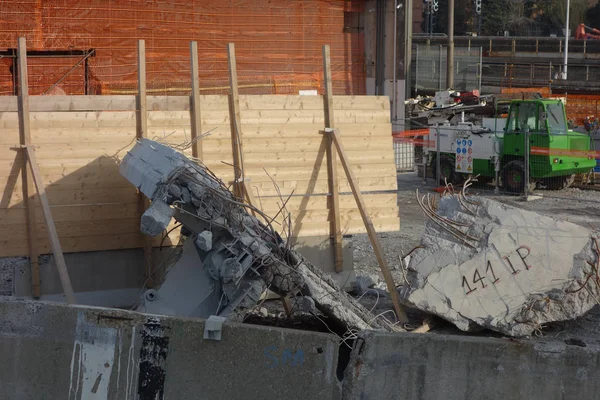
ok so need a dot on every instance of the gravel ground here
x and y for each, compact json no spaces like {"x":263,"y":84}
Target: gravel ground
{"x":581,"y":207}
{"x":7,"y":268}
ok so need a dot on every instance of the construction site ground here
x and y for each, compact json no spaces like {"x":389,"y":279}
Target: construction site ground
{"x":581,"y":207}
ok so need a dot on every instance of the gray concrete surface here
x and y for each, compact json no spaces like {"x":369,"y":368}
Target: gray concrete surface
{"x":55,"y":351}
{"x":100,"y":278}
{"x":431,"y":367}
{"x":319,"y":251}
{"x":515,"y":272}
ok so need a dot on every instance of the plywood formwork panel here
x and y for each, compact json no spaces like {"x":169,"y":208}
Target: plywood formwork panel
{"x":181,"y":103}
{"x":80,"y":139}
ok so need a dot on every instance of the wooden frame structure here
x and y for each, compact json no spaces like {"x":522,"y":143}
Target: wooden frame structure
{"x":278,"y":156}
{"x":30,"y":177}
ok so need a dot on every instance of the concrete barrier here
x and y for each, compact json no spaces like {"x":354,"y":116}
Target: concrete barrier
{"x":431,"y":366}
{"x":55,"y":351}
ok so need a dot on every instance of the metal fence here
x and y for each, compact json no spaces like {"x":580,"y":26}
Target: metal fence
{"x":430,"y":69}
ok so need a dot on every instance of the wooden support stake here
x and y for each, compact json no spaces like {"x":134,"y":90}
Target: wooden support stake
{"x":241,"y":188}
{"x":141,"y":132}
{"x":249,"y":196}
{"x":334,"y":187}
{"x":389,"y":280}
{"x":237,"y":147}
{"x":28,"y":189}
{"x":195,"y":103}
{"x":287,"y":305}
{"x":52,"y":234}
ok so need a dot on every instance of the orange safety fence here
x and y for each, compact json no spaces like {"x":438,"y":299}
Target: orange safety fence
{"x":577,"y":107}
{"x":544,"y":91}
{"x":278,"y":44}
{"x":411,"y":136}
{"x":545,"y":151}
{"x":580,"y":106}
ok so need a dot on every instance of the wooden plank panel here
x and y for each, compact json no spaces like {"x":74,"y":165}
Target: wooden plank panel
{"x":13,"y":247}
{"x":181,"y":103}
{"x":181,"y":132}
{"x":14,"y":216}
{"x":74,"y":197}
{"x":271,"y":205}
{"x":279,"y":102}
{"x":281,"y":135}
{"x":67,"y":229}
{"x":98,"y":179}
{"x":170,"y":118}
{"x":300,"y":159}
{"x":348,"y":227}
{"x":293,"y":145}
{"x":74,"y":151}
{"x":319,"y":187}
{"x":177,"y":133}
{"x":107,"y":191}
{"x":310,"y":216}
{"x":61,"y":165}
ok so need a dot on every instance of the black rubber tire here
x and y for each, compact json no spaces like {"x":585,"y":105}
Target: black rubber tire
{"x":559,"y":182}
{"x":513,"y":176}
{"x":447,"y":168}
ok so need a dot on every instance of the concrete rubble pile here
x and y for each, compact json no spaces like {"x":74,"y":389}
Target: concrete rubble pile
{"x":483,"y":264}
{"x":229,"y":257}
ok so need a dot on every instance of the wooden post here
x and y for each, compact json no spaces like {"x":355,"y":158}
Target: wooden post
{"x":52,"y":234}
{"x":142,"y":131}
{"x":142,"y":112}
{"x":28,"y":189}
{"x":195,"y":102}
{"x":237,"y":147}
{"x":389,"y":280}
{"x":334,"y":188}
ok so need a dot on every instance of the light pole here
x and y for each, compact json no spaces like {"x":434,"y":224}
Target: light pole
{"x":564,"y":74}
{"x":450,"y":56}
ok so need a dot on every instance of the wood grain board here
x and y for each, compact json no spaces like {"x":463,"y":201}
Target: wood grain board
{"x":80,"y":139}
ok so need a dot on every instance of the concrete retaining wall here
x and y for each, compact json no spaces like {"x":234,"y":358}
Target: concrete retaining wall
{"x":430,"y":366}
{"x":55,"y":351}
{"x":52,"y":351}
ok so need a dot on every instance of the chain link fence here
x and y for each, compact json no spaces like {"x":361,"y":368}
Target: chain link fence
{"x":430,"y":68}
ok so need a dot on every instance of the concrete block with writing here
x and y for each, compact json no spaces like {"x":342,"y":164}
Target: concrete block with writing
{"x":484,"y":264}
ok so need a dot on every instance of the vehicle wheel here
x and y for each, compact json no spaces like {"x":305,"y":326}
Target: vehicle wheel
{"x":513,"y":177}
{"x":447,"y":171}
{"x":560,"y":182}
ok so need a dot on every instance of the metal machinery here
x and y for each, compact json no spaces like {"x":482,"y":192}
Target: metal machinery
{"x":582,"y":34}
{"x":535,"y":133}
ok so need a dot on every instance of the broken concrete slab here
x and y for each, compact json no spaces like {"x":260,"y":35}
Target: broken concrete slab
{"x":245,"y":256}
{"x":484,"y":264}
{"x":156,"y":218}
{"x":204,"y":240}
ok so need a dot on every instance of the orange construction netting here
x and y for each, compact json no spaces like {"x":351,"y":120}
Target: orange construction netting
{"x":577,"y":107}
{"x":278,"y":44}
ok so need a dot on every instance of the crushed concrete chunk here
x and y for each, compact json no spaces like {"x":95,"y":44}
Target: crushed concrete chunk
{"x":231,"y":270}
{"x":502,"y":268}
{"x":303,"y":304}
{"x":175,"y":191}
{"x":204,"y":240}
{"x":156,"y":218}
{"x":232,"y":257}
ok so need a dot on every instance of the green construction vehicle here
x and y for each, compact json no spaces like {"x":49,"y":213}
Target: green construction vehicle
{"x":498,"y":148}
